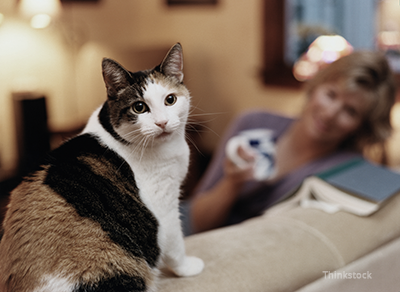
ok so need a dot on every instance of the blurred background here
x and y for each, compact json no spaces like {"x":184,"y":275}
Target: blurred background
{"x":238,"y":55}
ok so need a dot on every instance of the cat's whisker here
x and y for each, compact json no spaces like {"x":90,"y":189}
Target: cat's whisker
{"x":132,"y":134}
{"x":152,"y":141}
{"x":202,"y":131}
{"x":137,"y":147}
{"x":210,"y":116}
{"x":192,"y":120}
{"x":193,"y":128}
{"x":199,"y":122}
{"x":188,"y":138}
{"x":144,"y":143}
{"x":121,"y":179}
{"x":137,"y":151}
{"x":202,"y":112}
{"x":192,"y":114}
{"x":196,"y":106}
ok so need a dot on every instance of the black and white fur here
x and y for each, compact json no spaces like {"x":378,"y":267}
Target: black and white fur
{"x":102,"y":213}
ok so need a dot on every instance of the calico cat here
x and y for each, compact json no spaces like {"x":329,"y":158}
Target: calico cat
{"x":102,"y":213}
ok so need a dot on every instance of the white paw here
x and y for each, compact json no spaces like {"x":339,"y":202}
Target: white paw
{"x":191,"y":266}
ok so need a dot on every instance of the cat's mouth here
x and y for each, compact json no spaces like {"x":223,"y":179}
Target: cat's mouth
{"x":164,"y":135}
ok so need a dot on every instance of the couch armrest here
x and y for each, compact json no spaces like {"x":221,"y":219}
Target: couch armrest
{"x":382,"y":266}
{"x":284,"y":251}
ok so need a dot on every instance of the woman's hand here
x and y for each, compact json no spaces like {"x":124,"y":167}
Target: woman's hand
{"x":210,"y":209}
{"x":240,"y":174}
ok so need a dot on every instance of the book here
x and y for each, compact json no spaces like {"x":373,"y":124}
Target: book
{"x":356,"y":186}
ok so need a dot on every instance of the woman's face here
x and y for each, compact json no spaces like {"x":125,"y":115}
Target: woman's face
{"x":333,"y":114}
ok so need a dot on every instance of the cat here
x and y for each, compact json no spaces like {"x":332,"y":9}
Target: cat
{"x":102,"y":213}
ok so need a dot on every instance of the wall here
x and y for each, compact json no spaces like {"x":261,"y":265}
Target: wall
{"x":389,"y":18}
{"x":222,"y":50}
{"x":32,"y":61}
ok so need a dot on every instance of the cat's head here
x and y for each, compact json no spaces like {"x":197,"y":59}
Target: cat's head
{"x":146,"y":107}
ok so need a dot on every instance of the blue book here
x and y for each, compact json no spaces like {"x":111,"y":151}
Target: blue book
{"x":356,"y":186}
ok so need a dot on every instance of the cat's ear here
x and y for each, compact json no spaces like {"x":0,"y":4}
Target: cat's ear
{"x":172,"y":65}
{"x":115,"y":77}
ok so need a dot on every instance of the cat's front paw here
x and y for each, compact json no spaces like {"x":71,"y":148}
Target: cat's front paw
{"x":191,"y":266}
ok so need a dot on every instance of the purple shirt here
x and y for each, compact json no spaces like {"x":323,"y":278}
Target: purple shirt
{"x":256,"y":197}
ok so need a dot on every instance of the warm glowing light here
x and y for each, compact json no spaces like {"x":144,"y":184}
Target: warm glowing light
{"x":331,"y":43}
{"x":1,"y":17}
{"x":33,"y":7}
{"x":40,"y":11}
{"x":389,"y":38}
{"x":324,"y":50}
{"x":315,"y":54}
{"x":40,"y":21}
{"x":330,"y":56}
{"x":304,"y":69}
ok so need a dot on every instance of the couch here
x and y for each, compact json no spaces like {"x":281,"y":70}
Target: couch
{"x":291,"y":248}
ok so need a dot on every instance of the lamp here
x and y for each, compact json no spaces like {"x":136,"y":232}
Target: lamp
{"x":324,"y":50}
{"x":40,"y":12}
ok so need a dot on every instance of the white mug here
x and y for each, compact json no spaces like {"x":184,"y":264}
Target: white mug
{"x":259,"y":143}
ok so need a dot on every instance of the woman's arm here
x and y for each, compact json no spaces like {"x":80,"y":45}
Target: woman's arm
{"x":211,"y":208}
{"x":219,"y":188}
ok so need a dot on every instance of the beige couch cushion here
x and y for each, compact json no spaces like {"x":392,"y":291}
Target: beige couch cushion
{"x":382,"y":265}
{"x":284,"y":249}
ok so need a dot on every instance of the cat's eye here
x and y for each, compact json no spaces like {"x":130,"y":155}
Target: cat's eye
{"x":140,"y":107}
{"x":170,"y":99}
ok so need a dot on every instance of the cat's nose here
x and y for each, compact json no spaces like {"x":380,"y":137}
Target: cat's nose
{"x":161,"y":124}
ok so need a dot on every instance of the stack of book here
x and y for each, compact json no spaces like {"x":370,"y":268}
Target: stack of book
{"x":357,"y":186}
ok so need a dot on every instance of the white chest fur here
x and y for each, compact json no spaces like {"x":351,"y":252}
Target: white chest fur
{"x":159,"y":172}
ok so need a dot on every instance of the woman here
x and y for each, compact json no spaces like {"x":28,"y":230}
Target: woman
{"x":347,"y":112}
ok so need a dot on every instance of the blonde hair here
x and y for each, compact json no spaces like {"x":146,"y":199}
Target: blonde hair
{"x":368,"y":72}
